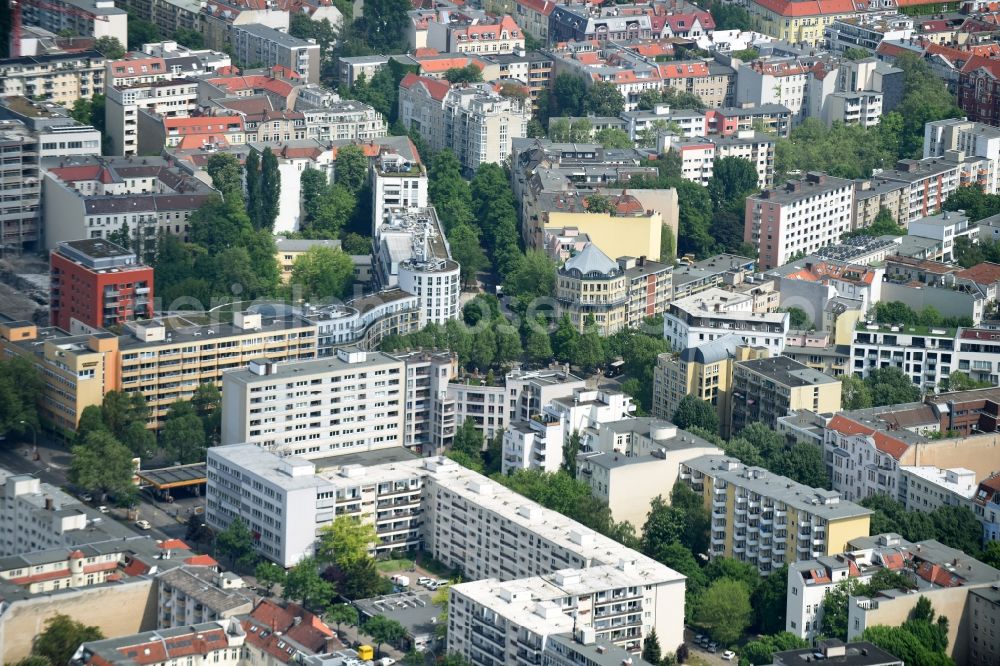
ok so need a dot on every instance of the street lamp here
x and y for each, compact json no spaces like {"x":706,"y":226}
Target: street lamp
{"x":34,"y":436}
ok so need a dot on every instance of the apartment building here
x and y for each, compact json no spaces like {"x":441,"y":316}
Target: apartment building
{"x":458,"y":34}
{"x":978,"y":92}
{"x":340,"y":120}
{"x":616,"y":294}
{"x":767,"y":389}
{"x":441,"y":506}
{"x":219,"y":642}
{"x":800,"y":217}
{"x":350,"y":69}
{"x":533,"y":68}
{"x":716,"y":271}
{"x":161,"y":61}
{"x":698,"y":154}
{"x":20,"y":210}
{"x":805,"y":24}
{"x":397,"y":182}
{"x":332,"y":406}
{"x":164,"y":98}
{"x":90,"y":18}
{"x":775,"y":81}
{"x":430,"y":410}
{"x":167,"y":15}
{"x":474,"y":121}
{"x":986,"y":505}
{"x":769,"y":520}
{"x":582,"y":23}
{"x":62,"y":78}
{"x":365,"y":321}
{"x":927,"y":487}
{"x":639,"y":460}
{"x":925,"y":354}
{"x":219,"y":20}
{"x":412,"y":253}
{"x":97,"y":284}
{"x":867,"y":32}
{"x":714,"y":313}
{"x":946,"y":227}
{"x":77,"y":370}
{"x":703,"y":370}
{"x":189,"y":595}
{"x":255,"y":43}
{"x":92,"y":197}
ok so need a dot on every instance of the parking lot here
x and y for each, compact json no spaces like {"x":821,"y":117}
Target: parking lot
{"x":713,"y":658}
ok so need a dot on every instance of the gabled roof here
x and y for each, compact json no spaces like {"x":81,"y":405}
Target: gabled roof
{"x":436,"y":88}
{"x":984,"y":273}
{"x":883,"y":442}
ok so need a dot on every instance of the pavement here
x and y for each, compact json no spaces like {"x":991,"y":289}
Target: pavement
{"x":703,"y":655}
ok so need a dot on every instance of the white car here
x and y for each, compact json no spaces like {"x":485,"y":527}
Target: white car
{"x":103,"y":509}
{"x":728,"y":655}
{"x":424,"y":580}
{"x":143,"y":524}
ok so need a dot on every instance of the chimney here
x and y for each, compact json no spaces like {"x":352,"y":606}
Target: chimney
{"x":50,"y":504}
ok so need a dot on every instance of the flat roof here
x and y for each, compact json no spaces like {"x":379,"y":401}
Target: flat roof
{"x":175,"y":477}
{"x":298,"y":369}
{"x":788,"y":372}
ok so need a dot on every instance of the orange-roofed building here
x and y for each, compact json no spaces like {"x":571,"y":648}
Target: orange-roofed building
{"x":218,"y":643}
{"x":853,"y":447}
{"x":804,"y":21}
{"x":461,"y":35}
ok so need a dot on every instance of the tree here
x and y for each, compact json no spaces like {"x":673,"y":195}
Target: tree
{"x":559,"y":129}
{"x":468,"y":252}
{"x":561,"y":493}
{"x":484,"y":349}
{"x":61,"y":638}
{"x":304,"y":583}
{"x":651,"y":648}
{"x":769,"y":602}
{"x":508,"y":344}
{"x":537,"y":344}
{"x":384,"y":25}
{"x":226,"y":173}
{"x":724,"y":610}
{"x":109,"y":47}
{"x":589,"y":353}
{"x":603,"y":99}
{"x":345,"y":541}
{"x":854,"y":393}
{"x":889,"y":386}
{"x":183,"y":434}
{"x":568,"y":93}
{"x":610,"y":137}
{"x":34,"y":660}
{"x":101,"y":464}
{"x":207,"y":403}
{"x":468,"y":74}
{"x":648,"y":99}
{"x":323,"y":272}
{"x":729,"y":17}
{"x":468,"y":438}
{"x":692,"y":411}
{"x":958,"y":527}
{"x":359,"y":579}
{"x":746,"y":55}
{"x":535,"y":275}
{"x":571,"y":447}
{"x":341,"y":614}
{"x":801,"y":462}
{"x":762,"y":650}
{"x":991,"y":554}
{"x":141,"y":32}
{"x":925,"y":98}
{"x":664,"y":525}
{"x":733,"y":178}
{"x":235,"y":542}
{"x":352,"y":167}
{"x":356,"y":244}
{"x":580,"y":130}
{"x":270,"y":190}
{"x":184,"y":36}
{"x":20,"y":390}
{"x":797,"y":318}
{"x":960,"y":381}
{"x":269,"y":574}
{"x":884,"y":224}
{"x":384,"y":630}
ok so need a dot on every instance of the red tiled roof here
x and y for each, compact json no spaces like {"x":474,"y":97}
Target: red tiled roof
{"x":543,"y":7}
{"x":935,"y":573}
{"x":136,"y":568}
{"x":683,"y":70}
{"x":975,"y":63}
{"x":253,"y":82}
{"x":175,"y":647}
{"x":984,"y":273}
{"x":883,"y":442}
{"x":40,"y":577}
{"x":790,"y":8}
{"x":201,"y":561}
{"x":102,"y":566}
{"x":893,"y":561}
{"x":436,"y":88}
{"x":173,"y":544}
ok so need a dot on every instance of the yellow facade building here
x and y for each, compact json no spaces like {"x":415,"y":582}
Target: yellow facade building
{"x":769,"y":520}
{"x":633,"y":235}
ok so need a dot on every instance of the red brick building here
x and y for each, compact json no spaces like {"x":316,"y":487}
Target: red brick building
{"x":98,"y":284}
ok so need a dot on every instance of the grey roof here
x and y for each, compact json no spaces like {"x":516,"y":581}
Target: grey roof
{"x":200,"y":584}
{"x":272,"y":35}
{"x":593,"y":654}
{"x":714,"y":351}
{"x":591,"y":260}
{"x":300,"y":369}
{"x":414,"y":611}
{"x":787,"y":372}
{"x":302,"y":245}
{"x":861,"y":653}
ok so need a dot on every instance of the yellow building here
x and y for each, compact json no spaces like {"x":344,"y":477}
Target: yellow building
{"x":705,"y":371}
{"x":77,"y":370}
{"x":769,"y":520}
{"x":766,"y":389}
{"x":635,"y":235}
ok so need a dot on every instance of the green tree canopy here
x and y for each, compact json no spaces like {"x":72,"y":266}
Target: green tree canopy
{"x":109,"y":47}
{"x":183,"y":433}
{"x":61,"y":638}
{"x":303,"y":583}
{"x":384,"y":630}
{"x":692,"y":411}
{"x":323,"y":272}
{"x":724,"y":610}
{"x":101,"y":464}
{"x":345,"y":541}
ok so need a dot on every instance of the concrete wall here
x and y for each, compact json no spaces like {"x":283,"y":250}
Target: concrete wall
{"x":811,"y":297}
{"x":615,"y":236}
{"x":117,"y":609}
{"x":948,"y":302}
{"x":980,"y":453}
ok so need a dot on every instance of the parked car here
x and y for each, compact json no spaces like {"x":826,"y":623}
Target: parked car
{"x":87,"y":497}
{"x":424,"y":580}
{"x":713,"y":646}
{"x":103,"y":509}
{"x":143,"y":524}
{"x":728,"y":655}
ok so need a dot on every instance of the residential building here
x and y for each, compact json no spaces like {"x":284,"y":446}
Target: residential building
{"x":929,"y":182}
{"x":221,"y":642}
{"x":163,"y":98}
{"x":151,"y":350}
{"x":532,"y":68}
{"x":643,"y":465}
{"x":351,"y":69}
{"x":582,"y":23}
{"x":972,"y":138}
{"x":290,"y":249}
{"x":866,"y":31}
{"x":820,"y":350}
{"x":418,"y":502}
{"x":189,"y":595}
{"x":167,"y":15}
{"x":699,"y":154}
{"x":873,"y":195}
{"x":800,"y":217}
{"x":455,"y":33}
{"x":986,"y":505}
{"x":946,"y":227}
{"x":860,"y":250}
{"x":811,"y":284}
{"x":474,"y":121}
{"x":703,"y":370}
{"x":714,"y":313}
{"x":162,"y":61}
{"x":797,"y":23}
{"x":834,"y":650}
{"x":412,"y":253}
{"x":925,"y":354}
{"x":97,"y":284}
{"x":978,"y":90}
{"x":772,"y":118}
{"x":983,"y":648}
{"x":90,"y":18}
{"x":768,"y":388}
{"x":617,"y":294}
{"x":278,"y":635}
{"x":92,"y":197}
{"x":775,"y":81}
{"x":397,"y":182}
{"x":254,"y":43}
{"x":581,"y":646}
{"x":62,"y":78}
{"x":716,"y":271}
{"x":431,"y":421}
{"x":926,"y":487}
{"x":302,"y":408}
{"x":533,"y":17}
{"x":218,"y":20}
{"x":20,"y":210}
{"x":796,"y":522}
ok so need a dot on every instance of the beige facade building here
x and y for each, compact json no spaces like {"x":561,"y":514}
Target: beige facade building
{"x":767,"y":389}
{"x":62,"y":78}
{"x":622,"y":235}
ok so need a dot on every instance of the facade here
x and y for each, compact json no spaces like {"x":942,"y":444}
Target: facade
{"x":769,"y":520}
{"x":800,"y":217}
{"x":93,"y":18}
{"x":616,"y":294}
{"x":219,"y":642}
{"x":925,"y":354}
{"x":254,"y":43}
{"x":412,"y":253}
{"x":431,"y":421}
{"x":639,"y":460}
{"x":714,"y":313}
{"x":979,"y":91}
{"x":62,"y":78}
{"x":164,"y":98}
{"x":435,"y":503}
{"x":460,"y":35}
{"x":397,"y":183}
{"x":475,"y":122}
{"x":189,"y":595}
{"x":92,"y":197}
{"x":704,"y":371}
{"x":767,"y":389}
{"x":331,"y":406}
{"x":97,"y":284}
{"x":863,"y":460}
{"x":926,"y":487}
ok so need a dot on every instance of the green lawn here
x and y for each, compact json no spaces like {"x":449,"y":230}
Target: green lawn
{"x":393,"y":566}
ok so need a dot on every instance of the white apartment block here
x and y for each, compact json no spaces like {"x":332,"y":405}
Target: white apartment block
{"x":412,"y":253}
{"x":926,"y":487}
{"x":699,"y":153}
{"x":972,"y":139}
{"x":474,"y":121}
{"x":945,"y":227}
{"x":343,"y":404}
{"x":345,"y":120}
{"x":93,"y":18}
{"x":430,"y":411}
{"x":784,"y":82}
{"x":800,"y":217}
{"x":864,"y":461}
{"x":464,"y":519}
{"x":62,"y":78}
{"x":534,"y":444}
{"x":925,"y":355}
{"x":714,"y":313}
{"x":189,"y":595}
{"x":166,"y":98}
{"x":397,"y":183}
